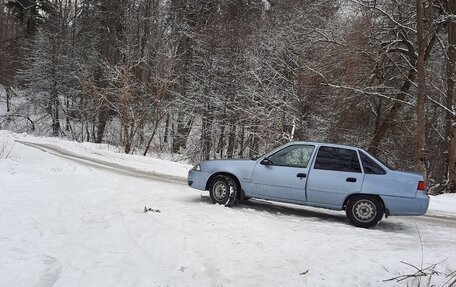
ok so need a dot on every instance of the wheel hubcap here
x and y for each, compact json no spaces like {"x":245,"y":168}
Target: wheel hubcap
{"x":220,"y":190}
{"x":364,"y":210}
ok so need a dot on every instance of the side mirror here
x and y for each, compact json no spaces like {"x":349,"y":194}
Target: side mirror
{"x":266,"y":161}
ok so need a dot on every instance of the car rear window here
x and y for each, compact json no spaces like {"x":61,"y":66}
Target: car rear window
{"x":338,"y":159}
{"x":369,"y":165}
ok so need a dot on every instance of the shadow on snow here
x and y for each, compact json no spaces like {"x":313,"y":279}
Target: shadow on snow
{"x":304,"y":212}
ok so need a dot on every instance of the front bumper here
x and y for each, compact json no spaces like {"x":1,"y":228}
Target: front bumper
{"x":197,"y":179}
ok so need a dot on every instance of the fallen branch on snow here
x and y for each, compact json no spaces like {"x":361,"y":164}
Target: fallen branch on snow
{"x":428,"y":271}
{"x":152,"y":210}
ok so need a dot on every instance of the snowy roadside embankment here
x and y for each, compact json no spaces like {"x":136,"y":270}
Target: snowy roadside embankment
{"x":108,"y":154}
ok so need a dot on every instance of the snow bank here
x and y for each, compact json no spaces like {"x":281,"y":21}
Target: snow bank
{"x":443,"y":204}
{"x":109,"y":153}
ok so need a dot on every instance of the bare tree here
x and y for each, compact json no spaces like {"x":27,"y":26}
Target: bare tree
{"x":451,"y":76}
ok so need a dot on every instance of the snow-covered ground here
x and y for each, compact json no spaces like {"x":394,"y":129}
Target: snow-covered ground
{"x":444,"y":205}
{"x":66,"y":223}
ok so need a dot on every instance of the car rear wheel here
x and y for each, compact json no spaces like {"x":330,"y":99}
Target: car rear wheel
{"x":223,"y":190}
{"x":364,"y":211}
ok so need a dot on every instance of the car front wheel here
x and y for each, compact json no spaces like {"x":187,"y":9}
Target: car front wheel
{"x":223,"y":190}
{"x":364,"y":211}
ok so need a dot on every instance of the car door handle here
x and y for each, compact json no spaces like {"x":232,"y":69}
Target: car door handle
{"x":351,"y":179}
{"x":301,"y":175}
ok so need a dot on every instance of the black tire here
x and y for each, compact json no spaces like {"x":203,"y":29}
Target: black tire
{"x":223,"y":190}
{"x":364,"y":211}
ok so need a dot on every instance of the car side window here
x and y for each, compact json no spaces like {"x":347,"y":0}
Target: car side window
{"x":369,"y":165}
{"x":294,"y":156}
{"x":338,"y":159}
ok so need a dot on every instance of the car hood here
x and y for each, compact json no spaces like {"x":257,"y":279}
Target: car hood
{"x":228,"y":165}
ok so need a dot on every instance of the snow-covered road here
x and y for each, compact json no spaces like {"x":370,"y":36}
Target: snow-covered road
{"x":64,"y":223}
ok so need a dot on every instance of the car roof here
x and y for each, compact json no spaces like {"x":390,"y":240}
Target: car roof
{"x":323,"y":144}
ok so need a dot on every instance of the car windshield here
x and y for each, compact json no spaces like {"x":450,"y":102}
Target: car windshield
{"x":256,"y":157}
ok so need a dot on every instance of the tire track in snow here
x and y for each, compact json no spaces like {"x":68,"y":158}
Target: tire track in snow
{"x":103,"y":164}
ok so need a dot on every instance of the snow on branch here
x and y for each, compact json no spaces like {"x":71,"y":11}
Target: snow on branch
{"x":369,"y":93}
{"x":8,"y":116}
{"x":389,"y":16}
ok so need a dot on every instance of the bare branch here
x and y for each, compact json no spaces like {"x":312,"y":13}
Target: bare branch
{"x":369,"y":93}
{"x":391,"y":18}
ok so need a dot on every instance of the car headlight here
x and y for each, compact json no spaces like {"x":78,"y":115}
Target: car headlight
{"x":196,"y":168}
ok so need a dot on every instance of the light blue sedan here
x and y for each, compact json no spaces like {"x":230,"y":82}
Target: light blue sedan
{"x":323,"y":175}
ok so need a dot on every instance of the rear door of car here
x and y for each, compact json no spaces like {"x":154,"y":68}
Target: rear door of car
{"x":286,"y":174}
{"x":336,"y":173}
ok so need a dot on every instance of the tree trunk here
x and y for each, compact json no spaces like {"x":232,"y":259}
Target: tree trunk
{"x":67,"y":118}
{"x":206,"y":133}
{"x":165,"y":136}
{"x":55,"y":107}
{"x":125,"y":123}
{"x":231,"y":138}
{"x":55,"y":116}
{"x":391,"y":114}
{"x":181,"y":133}
{"x":451,"y":119}
{"x":241,"y":143}
{"x":103,"y":114}
{"x":176,"y":144}
{"x":149,"y":142}
{"x":221,"y":141}
{"x":420,"y":105}
{"x":8,"y":99}
{"x":254,"y":143}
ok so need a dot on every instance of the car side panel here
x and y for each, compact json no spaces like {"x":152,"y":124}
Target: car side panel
{"x":241,"y":169}
{"x":391,"y":184}
{"x":327,"y":187}
{"x":279,"y":182}
{"x":405,"y":205}
{"x":398,"y":191}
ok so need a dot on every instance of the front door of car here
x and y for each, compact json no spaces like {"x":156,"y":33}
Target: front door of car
{"x":335,"y":174}
{"x":283,"y":175}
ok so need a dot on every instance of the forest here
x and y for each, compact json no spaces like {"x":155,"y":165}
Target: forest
{"x":207,"y":79}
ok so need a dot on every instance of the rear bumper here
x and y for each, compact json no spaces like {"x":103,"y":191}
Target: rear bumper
{"x":197,"y":179}
{"x":407,"y":206}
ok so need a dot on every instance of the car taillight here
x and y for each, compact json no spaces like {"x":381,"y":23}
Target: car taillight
{"x":421,"y":185}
